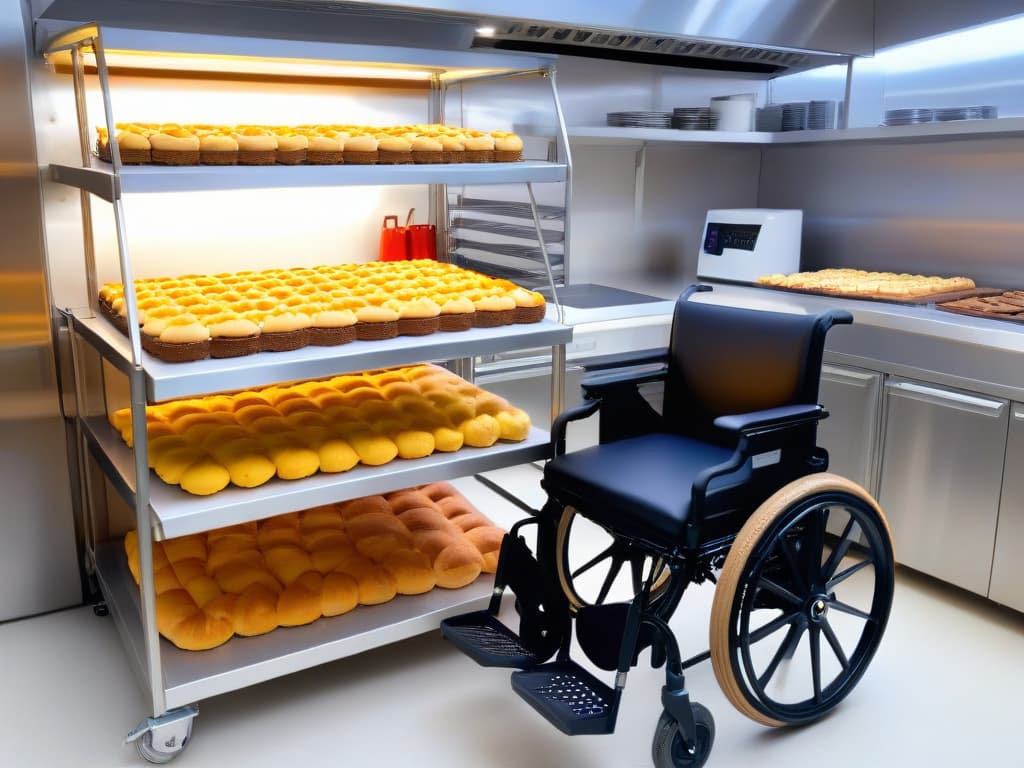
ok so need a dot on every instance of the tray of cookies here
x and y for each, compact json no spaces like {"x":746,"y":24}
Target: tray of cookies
{"x":1005,"y":305}
{"x":902,"y":288}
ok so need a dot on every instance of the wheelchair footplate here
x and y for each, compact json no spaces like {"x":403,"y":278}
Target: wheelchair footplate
{"x":569,"y":697}
{"x":488,"y":642}
{"x":542,"y":611}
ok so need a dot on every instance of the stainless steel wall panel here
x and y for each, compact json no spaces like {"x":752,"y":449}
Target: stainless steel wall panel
{"x":38,"y":561}
{"x":943,"y":208}
{"x":897,"y":21}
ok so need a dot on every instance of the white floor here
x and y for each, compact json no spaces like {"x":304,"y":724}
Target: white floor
{"x":944,"y":690}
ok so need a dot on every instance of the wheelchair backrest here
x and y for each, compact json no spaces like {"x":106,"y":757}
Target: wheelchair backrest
{"x":725,"y":360}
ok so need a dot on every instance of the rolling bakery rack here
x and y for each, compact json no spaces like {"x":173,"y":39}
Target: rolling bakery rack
{"x":173,"y":679}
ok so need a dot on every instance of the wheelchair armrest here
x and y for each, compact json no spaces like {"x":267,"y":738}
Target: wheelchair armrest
{"x":783,"y":417}
{"x":562,"y":421}
{"x":758,"y":431}
{"x":596,"y":386}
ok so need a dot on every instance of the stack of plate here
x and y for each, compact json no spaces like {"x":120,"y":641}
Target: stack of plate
{"x":794,"y":116}
{"x":821,"y":114}
{"x":768,"y":118}
{"x":693,"y":118}
{"x":965,"y":113}
{"x":907,"y":116}
{"x":640,"y":119}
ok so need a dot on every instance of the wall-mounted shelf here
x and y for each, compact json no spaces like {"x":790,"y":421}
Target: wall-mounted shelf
{"x":165,"y":381}
{"x":955,"y":129}
{"x":100,"y":179}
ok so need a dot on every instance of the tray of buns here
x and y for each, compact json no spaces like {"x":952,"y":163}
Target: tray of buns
{"x":1005,"y":305}
{"x":290,"y":570}
{"x":194,"y":317}
{"x":293,"y":431}
{"x":901,"y":288}
{"x":336,"y":144}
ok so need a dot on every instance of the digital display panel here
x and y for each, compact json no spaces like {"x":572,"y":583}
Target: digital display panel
{"x":718,"y":237}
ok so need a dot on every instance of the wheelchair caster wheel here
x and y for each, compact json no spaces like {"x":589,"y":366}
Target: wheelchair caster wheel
{"x":100,"y":609}
{"x":669,"y":751}
{"x":788,"y":596}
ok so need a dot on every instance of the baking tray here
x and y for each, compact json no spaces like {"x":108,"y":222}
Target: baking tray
{"x":931,"y":298}
{"x":1010,"y":318}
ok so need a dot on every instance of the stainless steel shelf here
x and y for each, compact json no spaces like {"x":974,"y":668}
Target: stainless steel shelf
{"x":171,"y":380}
{"x":243,"y":661}
{"x":100,"y":180}
{"x":946,"y":131}
{"x":176,"y":513}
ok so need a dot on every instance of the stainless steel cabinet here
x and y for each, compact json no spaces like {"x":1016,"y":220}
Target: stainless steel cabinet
{"x":1008,"y":563}
{"x":941,"y":476}
{"x":852,"y":397}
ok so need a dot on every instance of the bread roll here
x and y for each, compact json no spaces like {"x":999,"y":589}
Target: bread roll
{"x":411,"y":570}
{"x":487,"y":539}
{"x":457,"y":565}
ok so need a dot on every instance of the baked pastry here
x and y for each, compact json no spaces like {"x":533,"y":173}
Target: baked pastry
{"x":361,"y":150}
{"x":256,"y":146}
{"x":479,"y":149}
{"x":427,"y":149}
{"x":218,"y":149}
{"x":174,"y":146}
{"x":291,"y":148}
{"x":508,"y":148}
{"x":392,"y":150}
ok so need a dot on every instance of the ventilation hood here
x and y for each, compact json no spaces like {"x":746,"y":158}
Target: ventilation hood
{"x":760,"y":37}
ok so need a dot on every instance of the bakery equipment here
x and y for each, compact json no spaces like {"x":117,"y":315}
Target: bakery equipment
{"x":741,"y":244}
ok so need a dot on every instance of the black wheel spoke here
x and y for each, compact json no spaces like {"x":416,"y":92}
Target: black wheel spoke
{"x":814,"y":545}
{"x":791,"y":560}
{"x":778,"y":590}
{"x":636,"y":568}
{"x":837,"y":647}
{"x":844,"y":608}
{"x":609,"y":579}
{"x":814,"y":636}
{"x":771,"y":627}
{"x":839,"y":578}
{"x":591,"y":563}
{"x":840,"y":551}
{"x":785,"y":650}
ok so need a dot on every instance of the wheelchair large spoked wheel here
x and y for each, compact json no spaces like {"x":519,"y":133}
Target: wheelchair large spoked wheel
{"x":596,"y":566}
{"x":802,"y":601}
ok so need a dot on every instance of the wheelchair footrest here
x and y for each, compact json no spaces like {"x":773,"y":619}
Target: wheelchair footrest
{"x":569,"y":697}
{"x":487,"y":641}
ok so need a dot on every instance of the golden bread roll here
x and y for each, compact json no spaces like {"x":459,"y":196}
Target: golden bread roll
{"x":457,"y":565}
{"x":487,"y":539}
{"x":411,"y":570}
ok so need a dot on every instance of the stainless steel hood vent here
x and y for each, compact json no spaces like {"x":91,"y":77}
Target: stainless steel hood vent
{"x":726,"y":35}
{"x":649,"y":49}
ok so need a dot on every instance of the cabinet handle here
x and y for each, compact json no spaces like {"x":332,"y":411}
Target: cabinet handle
{"x":842,"y":373}
{"x":948,"y":397}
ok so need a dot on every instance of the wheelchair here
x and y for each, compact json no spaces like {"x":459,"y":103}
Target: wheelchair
{"x":725,"y":484}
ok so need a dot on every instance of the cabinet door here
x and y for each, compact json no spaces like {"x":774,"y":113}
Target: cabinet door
{"x":942,"y":468}
{"x":852,"y":398}
{"x":1008,"y":564}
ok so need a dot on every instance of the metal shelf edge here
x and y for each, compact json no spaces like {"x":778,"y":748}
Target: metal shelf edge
{"x":176,"y":513}
{"x":173,"y":380}
{"x":100,"y":179}
{"x":242,"y":661}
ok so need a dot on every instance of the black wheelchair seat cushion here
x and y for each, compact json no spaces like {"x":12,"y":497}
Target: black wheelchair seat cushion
{"x":640,"y":485}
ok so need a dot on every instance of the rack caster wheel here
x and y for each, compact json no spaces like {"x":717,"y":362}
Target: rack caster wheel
{"x":159,"y":740}
{"x":669,"y":751}
{"x":100,"y":609}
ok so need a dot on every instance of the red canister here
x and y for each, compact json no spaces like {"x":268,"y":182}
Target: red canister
{"x":422,"y":241}
{"x":394,"y":245}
